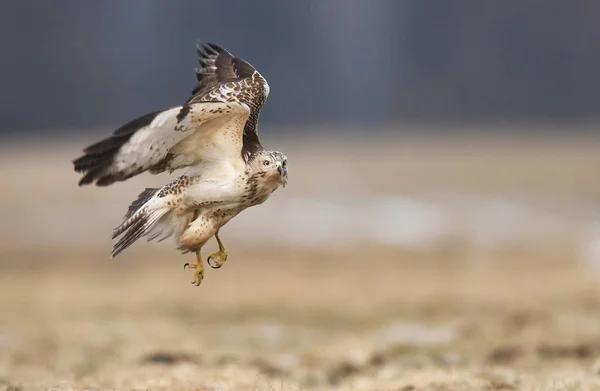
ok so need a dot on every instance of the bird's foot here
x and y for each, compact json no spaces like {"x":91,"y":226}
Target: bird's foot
{"x":198,"y":270}
{"x":216,"y":260}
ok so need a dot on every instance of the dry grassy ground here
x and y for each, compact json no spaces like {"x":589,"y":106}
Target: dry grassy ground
{"x":363,"y":317}
{"x":285,"y":319}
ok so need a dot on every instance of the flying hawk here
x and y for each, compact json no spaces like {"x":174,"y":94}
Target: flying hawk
{"x":214,"y":137}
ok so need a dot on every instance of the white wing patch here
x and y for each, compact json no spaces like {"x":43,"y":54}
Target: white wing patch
{"x":209,"y":130}
{"x":150,"y":144}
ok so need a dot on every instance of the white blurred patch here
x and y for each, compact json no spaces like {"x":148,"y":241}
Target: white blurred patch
{"x":409,"y":333}
{"x":420,"y":222}
{"x":590,"y":244}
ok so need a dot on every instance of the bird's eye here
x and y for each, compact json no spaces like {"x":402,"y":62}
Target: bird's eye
{"x":284,"y":164}
{"x":266,"y":163}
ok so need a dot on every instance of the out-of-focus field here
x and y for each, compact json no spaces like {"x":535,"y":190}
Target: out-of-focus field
{"x":347,"y":313}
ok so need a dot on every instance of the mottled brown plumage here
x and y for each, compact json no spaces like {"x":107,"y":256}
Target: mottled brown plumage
{"x":222,"y":78}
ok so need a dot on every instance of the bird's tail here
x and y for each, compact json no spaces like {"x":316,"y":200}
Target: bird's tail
{"x":142,"y":217}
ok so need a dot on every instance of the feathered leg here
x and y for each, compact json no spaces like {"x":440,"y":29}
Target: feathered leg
{"x":198,"y":269}
{"x":199,"y":265}
{"x":216,"y":260}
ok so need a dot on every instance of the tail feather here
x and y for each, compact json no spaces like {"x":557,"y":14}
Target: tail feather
{"x":153,"y":236}
{"x":168,"y":226}
{"x":162,"y":230}
{"x":135,"y":206}
{"x":142,"y":218}
{"x":143,"y":197}
{"x":141,"y":223}
{"x":127,"y":224}
{"x":164,"y":237}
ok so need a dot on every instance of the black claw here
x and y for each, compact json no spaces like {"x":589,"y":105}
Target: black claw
{"x":216,"y":266}
{"x":186,"y":265}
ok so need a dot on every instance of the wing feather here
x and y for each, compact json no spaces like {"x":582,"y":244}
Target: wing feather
{"x":160,"y":144}
{"x":229,"y":94}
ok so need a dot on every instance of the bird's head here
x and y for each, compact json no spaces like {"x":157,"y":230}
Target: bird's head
{"x":273,"y":165}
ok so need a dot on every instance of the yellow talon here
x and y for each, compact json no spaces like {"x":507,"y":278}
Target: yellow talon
{"x":216,"y":260}
{"x":198,"y":269}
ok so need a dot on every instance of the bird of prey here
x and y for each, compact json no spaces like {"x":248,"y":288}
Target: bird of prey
{"x":214,"y":138}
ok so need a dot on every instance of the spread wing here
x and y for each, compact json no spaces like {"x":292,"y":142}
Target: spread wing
{"x":219,"y":121}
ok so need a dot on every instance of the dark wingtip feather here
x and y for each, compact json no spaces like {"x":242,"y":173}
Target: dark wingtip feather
{"x":97,"y":158}
{"x":84,"y":181}
{"x":90,"y":176}
{"x":106,"y":181}
{"x":200,"y":50}
{"x":210,"y":49}
{"x":216,"y":48}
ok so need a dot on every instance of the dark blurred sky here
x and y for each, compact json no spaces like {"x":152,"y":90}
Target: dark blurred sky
{"x":79,"y":64}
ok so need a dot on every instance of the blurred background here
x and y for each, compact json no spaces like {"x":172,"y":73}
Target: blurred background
{"x":443,"y":180}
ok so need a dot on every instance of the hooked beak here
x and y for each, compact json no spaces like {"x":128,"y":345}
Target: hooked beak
{"x":283,"y":173}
